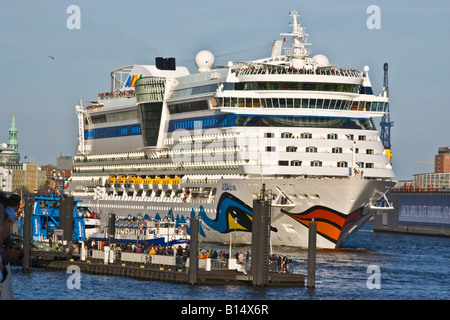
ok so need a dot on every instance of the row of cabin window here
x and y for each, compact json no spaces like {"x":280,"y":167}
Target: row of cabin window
{"x":314,"y":149}
{"x":318,"y":163}
{"x":305,"y":103}
{"x":307,"y":135}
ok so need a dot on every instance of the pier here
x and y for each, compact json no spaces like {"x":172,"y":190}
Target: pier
{"x":416,"y":211}
{"x":149,"y":272}
{"x":172,"y":268}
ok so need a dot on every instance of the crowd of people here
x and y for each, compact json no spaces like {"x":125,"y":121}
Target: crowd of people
{"x":279,"y":263}
{"x":282,"y":262}
{"x":9,"y":251}
{"x":291,"y":70}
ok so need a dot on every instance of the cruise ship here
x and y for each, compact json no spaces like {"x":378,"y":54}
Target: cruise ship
{"x":165,"y":142}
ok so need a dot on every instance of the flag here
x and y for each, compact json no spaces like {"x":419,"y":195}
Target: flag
{"x":284,"y":41}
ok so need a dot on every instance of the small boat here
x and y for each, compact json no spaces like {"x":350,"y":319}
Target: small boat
{"x":92,"y":223}
{"x":152,"y":232}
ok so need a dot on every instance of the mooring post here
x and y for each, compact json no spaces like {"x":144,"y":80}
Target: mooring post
{"x":193,"y":253}
{"x":66,"y":219}
{"x":311,"y":282}
{"x":27,"y":233}
{"x":111,"y":228}
{"x":261,"y":238}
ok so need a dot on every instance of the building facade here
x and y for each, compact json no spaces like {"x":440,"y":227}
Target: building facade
{"x":442,"y":160}
{"x":440,"y":179}
{"x":5,"y":179}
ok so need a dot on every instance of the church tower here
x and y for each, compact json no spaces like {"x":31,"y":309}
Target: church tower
{"x":12,"y":140}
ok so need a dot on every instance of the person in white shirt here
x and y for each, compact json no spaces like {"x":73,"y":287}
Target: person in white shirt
{"x":241,"y":268}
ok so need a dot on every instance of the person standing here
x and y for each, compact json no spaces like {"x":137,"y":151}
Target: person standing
{"x":241,"y":257}
{"x":3,"y":271}
{"x":8,"y":251}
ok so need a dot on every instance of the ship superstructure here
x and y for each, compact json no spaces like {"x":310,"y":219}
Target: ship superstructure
{"x":168,"y":142}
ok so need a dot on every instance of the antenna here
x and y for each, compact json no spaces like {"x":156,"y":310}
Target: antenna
{"x":298,"y":53}
{"x":386,"y":122}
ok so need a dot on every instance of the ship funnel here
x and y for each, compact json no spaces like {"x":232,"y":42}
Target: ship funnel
{"x":276,"y":48}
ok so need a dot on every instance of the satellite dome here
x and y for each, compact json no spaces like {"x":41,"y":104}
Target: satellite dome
{"x":322,"y":60}
{"x":204,"y":60}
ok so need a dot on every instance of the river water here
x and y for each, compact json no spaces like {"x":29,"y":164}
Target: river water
{"x":371,"y":266}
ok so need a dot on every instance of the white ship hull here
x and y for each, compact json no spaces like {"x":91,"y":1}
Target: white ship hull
{"x":338,"y":206}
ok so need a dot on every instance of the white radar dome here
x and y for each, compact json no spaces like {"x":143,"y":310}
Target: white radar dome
{"x":322,"y":60}
{"x":204,"y":61}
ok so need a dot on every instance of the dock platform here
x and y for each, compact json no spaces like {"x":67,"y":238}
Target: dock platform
{"x":150,"y":272}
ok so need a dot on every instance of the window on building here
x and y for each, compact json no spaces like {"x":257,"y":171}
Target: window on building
{"x":291,"y":149}
{"x":336,"y":150}
{"x":311,"y":149}
{"x":270,"y":149}
{"x":283,"y":163}
{"x":296,"y":163}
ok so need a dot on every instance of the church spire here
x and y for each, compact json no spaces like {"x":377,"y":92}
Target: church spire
{"x":12,"y":140}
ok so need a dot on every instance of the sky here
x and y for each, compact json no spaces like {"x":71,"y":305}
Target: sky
{"x":413,"y":38}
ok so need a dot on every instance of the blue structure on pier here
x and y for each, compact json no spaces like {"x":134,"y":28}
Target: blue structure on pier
{"x":45,"y":219}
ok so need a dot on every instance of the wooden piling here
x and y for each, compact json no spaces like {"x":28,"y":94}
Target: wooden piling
{"x":261,"y":240}
{"x":193,"y":252}
{"x":27,"y":233}
{"x":311,"y":279}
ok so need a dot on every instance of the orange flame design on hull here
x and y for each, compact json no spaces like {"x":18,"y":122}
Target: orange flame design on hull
{"x":330,"y":223}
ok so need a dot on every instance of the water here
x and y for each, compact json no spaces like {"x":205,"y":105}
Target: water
{"x":411,"y":267}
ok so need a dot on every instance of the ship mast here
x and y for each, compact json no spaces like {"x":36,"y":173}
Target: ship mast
{"x":298,"y":53}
